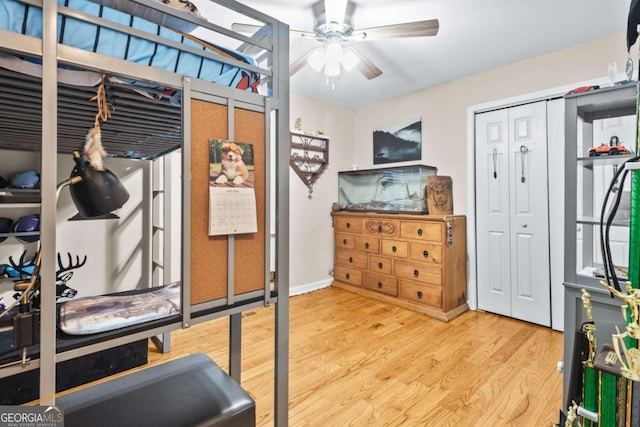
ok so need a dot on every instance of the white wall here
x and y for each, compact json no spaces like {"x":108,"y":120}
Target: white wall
{"x":443,"y":109}
{"x":310,"y":231}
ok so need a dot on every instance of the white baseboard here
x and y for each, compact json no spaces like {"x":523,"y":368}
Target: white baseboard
{"x":309,"y":287}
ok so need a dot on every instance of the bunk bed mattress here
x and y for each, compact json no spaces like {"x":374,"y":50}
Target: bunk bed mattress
{"x":92,"y":315}
{"x":25,"y":19}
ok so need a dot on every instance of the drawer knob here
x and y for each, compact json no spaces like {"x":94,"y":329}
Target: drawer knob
{"x":415,"y":273}
{"x":394,"y":249}
{"x":379,"y":229}
{"x":419,"y":231}
{"x":425,"y":254}
{"x":350,"y":259}
{"x":380,"y":265}
{"x":347,"y":276}
{"x":380,"y":285}
{"x":366,"y":245}
{"x":344,"y":241}
{"x":348,"y":225}
{"x":419,"y":294}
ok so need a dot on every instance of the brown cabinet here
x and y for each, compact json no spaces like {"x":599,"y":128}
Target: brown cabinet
{"x":416,"y":261}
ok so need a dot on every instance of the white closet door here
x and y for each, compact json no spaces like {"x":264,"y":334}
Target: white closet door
{"x":492,"y":212}
{"x":529,"y":218}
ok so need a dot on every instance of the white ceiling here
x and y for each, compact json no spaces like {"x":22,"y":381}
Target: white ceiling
{"x":474,"y":36}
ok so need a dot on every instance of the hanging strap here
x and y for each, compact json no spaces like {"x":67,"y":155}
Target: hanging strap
{"x":104,"y":108}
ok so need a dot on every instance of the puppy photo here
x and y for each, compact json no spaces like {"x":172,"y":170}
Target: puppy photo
{"x":228,"y":162}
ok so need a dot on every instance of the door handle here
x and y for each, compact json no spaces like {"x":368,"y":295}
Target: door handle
{"x":524,"y":225}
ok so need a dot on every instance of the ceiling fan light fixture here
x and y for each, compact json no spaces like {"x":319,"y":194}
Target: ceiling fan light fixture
{"x":317,"y":59}
{"x":333,"y":59}
{"x":349,"y":60}
{"x":332,"y":68}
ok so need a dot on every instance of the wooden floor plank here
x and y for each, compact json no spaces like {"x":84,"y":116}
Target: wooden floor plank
{"x":356,"y":361}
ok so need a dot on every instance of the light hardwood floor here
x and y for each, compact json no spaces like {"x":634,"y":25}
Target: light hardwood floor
{"x":355,"y":361}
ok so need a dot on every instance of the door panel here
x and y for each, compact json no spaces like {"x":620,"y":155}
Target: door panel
{"x":529,"y":219}
{"x":499,"y":282}
{"x":524,"y":283}
{"x":492,"y":204}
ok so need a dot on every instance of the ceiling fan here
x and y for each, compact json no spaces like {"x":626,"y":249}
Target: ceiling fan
{"x":333,"y":28}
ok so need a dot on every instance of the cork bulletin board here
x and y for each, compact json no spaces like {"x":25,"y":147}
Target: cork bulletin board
{"x":209,"y":253}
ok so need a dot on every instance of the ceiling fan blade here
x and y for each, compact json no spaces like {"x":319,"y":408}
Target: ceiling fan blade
{"x":365,"y":66}
{"x":335,"y":10}
{"x":408,"y":29}
{"x":302,"y":61}
{"x":252,"y":29}
{"x":259,"y":35}
{"x":245,"y":28}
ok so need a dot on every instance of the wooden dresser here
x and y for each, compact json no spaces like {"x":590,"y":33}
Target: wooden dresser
{"x":416,"y":261}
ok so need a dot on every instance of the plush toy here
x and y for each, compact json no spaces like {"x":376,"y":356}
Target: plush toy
{"x":93,"y":150}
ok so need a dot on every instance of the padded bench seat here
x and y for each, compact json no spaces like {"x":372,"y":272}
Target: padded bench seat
{"x":188,"y":391}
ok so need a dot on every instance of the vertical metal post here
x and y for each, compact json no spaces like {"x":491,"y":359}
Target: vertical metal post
{"x":235,"y":346}
{"x":167,"y":236}
{"x":231,"y":238}
{"x":186,"y":202}
{"x":49,"y":175}
{"x":268,"y":171}
{"x":281,"y":53}
{"x":235,"y":320}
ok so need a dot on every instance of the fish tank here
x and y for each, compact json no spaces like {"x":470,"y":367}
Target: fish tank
{"x":393,"y":190}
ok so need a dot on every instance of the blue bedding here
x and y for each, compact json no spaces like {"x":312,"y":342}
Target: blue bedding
{"x":25,"y":19}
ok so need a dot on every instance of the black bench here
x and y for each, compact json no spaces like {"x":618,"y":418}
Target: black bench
{"x":190,"y":391}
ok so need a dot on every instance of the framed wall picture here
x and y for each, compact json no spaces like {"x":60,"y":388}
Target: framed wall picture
{"x":398,"y":142}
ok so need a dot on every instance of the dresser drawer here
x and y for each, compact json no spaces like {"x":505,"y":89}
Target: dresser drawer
{"x":385,"y":284}
{"x":368,"y":244}
{"x":352,"y":259}
{"x":348,"y":275}
{"x":429,"y":231}
{"x":395,"y":248}
{"x":421,"y":293}
{"x":419,"y":271}
{"x":345,"y":241}
{"x":425,"y":252}
{"x":348,"y":225}
{"x":382,"y":227}
{"x":380,"y":264}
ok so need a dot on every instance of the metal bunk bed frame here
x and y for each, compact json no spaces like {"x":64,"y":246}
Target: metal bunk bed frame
{"x":276,"y":113}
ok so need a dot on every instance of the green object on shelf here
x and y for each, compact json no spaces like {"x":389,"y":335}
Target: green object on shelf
{"x":607,"y":404}
{"x":590,"y":396}
{"x":634,"y":226}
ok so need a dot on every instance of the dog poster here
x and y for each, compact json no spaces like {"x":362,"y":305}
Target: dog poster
{"x":231,"y":163}
{"x":232,"y":199}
